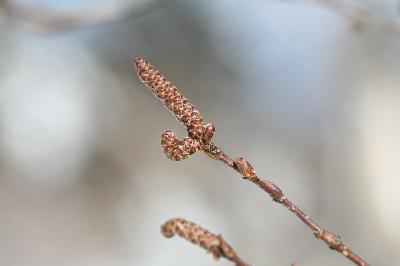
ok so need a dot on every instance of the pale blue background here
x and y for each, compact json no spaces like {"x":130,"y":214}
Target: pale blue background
{"x":310,"y":101}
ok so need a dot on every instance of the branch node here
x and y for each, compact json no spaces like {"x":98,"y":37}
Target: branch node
{"x":245,"y":168}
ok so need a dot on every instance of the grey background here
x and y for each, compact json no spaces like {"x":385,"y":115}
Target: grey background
{"x":308,"y":98}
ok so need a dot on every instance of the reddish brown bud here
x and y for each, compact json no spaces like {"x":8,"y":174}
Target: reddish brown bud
{"x":332,"y":240}
{"x":209,"y":133}
{"x":245,"y":168}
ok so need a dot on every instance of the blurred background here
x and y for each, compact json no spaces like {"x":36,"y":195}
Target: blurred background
{"x":307,"y":91}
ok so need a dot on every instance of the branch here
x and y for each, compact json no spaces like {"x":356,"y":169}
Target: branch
{"x":50,"y":20}
{"x":199,"y":139}
{"x":216,"y":245}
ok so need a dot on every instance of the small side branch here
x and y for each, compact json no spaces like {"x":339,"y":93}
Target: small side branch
{"x":197,"y":235}
{"x":199,"y":139}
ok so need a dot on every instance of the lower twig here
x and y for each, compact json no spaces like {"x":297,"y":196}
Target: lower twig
{"x":215,"y":244}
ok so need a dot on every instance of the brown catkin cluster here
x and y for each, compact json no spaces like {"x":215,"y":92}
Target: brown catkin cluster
{"x":199,"y":133}
{"x":199,"y":236}
{"x":177,"y":149}
{"x":173,"y":99}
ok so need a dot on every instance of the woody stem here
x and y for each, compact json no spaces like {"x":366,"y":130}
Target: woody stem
{"x":333,"y":241}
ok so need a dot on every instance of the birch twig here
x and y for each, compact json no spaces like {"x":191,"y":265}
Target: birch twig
{"x":199,"y":139}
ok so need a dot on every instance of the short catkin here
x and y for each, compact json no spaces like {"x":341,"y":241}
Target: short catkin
{"x":198,"y":236}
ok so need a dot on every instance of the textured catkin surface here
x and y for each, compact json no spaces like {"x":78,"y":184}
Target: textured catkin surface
{"x":191,"y":232}
{"x":176,"y":149}
{"x":199,"y":134}
{"x":198,"y":236}
{"x":173,"y":99}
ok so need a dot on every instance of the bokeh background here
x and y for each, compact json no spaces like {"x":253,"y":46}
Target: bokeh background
{"x":307,"y":91}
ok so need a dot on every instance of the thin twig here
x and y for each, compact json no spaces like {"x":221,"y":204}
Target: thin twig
{"x":201,"y":134}
{"x":215,"y":244}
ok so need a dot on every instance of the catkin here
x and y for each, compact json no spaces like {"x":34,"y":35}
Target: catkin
{"x":199,"y":236}
{"x":173,"y":99}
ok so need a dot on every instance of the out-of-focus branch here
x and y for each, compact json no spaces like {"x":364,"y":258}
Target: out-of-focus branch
{"x":356,"y":14}
{"x":215,"y":244}
{"x":360,"y":17}
{"x":45,"y":19}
